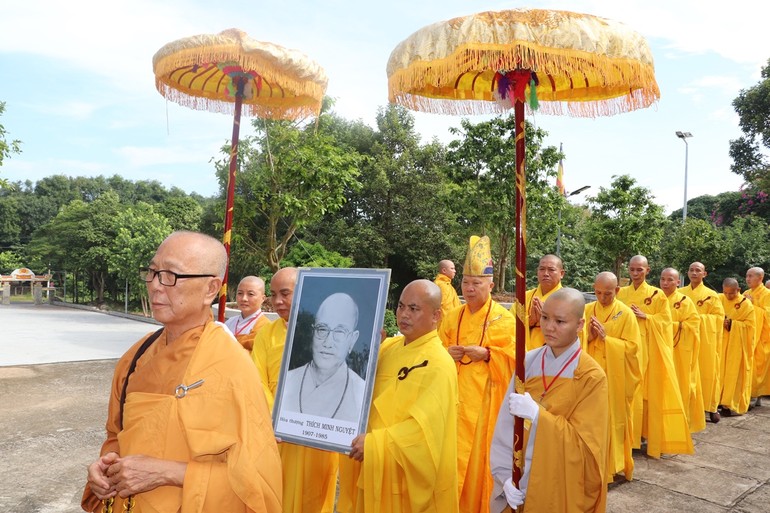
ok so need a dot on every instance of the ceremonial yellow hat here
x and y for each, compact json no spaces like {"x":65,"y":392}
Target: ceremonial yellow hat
{"x":478,"y":261}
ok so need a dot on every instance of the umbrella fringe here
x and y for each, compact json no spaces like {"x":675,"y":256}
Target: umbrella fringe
{"x":575,"y":108}
{"x":624,"y":84}
{"x":273,"y":108}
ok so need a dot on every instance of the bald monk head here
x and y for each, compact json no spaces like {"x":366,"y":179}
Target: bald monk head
{"x":250,"y":295}
{"x":562,"y":319}
{"x":183,"y":279}
{"x":730,"y":288}
{"x":550,"y":272}
{"x":696,"y":273}
{"x":419,"y":309}
{"x":282,"y":291}
{"x":638,"y":268}
{"x":447,"y":268}
{"x":606,"y":288}
{"x":754,"y":277}
{"x":669,"y":280}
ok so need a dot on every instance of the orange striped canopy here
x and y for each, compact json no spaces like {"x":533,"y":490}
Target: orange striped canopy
{"x":200,"y":72}
{"x":582,"y":64}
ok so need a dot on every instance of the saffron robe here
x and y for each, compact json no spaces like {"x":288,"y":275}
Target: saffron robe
{"x":324,"y":399}
{"x":686,"y":342}
{"x":535,"y":336}
{"x":246,"y":329}
{"x":565,"y":448}
{"x":410,"y":450}
{"x":482,"y":388}
{"x":658,"y":410}
{"x":737,"y":353}
{"x":760,"y":298}
{"x":712,"y":316}
{"x":449,"y":298}
{"x":221,"y":429}
{"x":618,"y":356}
{"x":309,"y":475}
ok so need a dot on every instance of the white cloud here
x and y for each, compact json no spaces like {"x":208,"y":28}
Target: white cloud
{"x":144,"y":156}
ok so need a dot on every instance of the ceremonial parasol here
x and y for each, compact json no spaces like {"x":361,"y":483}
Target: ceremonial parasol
{"x":230,"y":72}
{"x":487,"y":62}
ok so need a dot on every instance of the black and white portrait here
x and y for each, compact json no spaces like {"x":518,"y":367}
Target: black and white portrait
{"x":331,"y":348}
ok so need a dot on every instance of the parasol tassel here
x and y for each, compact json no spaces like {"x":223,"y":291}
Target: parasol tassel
{"x":532,"y":100}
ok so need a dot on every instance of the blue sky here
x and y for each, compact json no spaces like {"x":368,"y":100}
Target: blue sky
{"x":79,"y":90}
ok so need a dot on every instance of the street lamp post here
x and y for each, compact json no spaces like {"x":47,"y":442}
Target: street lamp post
{"x":683,"y":136}
{"x":558,"y":226}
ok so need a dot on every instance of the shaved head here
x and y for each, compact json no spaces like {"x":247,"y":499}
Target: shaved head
{"x":606,"y":278}
{"x":209,"y":252}
{"x":639,"y":260}
{"x":429,"y":291}
{"x":572,"y":301}
{"x":605,"y":288}
{"x":730,"y":283}
{"x":253,"y":280}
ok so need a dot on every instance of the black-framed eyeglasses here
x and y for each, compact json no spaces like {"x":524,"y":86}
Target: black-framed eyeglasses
{"x":167,"y":278}
{"x":322,"y":332}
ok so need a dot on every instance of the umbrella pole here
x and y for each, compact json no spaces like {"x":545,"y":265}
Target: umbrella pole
{"x":521,"y":282}
{"x":240,"y":82}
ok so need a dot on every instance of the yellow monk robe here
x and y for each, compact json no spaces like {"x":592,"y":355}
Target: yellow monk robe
{"x":686,"y":342}
{"x":712,"y":316}
{"x":535,"y":337}
{"x":565,"y":464}
{"x":482,"y":388}
{"x":222,"y":428}
{"x":449,"y":298}
{"x":760,"y":298}
{"x":737,"y":353}
{"x":661,"y":418}
{"x":309,"y":475}
{"x":618,"y":356}
{"x":410,"y":451}
{"x":245,"y":330}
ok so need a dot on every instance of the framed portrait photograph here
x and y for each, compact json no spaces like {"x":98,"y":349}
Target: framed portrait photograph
{"x":330,"y":357}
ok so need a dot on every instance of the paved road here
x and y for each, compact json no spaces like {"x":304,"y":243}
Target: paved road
{"x":52,"y":418}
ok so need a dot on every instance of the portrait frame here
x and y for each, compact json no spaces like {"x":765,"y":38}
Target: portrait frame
{"x":311,"y":408}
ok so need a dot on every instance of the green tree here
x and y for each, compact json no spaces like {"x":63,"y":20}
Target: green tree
{"x":182,"y":212}
{"x":695,"y":240}
{"x":624,"y":221}
{"x":753,"y":108}
{"x":7,"y":148}
{"x":289,"y":178}
{"x":483,"y":162}
{"x":139,"y":230}
{"x":9,"y":261}
{"x":304,"y":254}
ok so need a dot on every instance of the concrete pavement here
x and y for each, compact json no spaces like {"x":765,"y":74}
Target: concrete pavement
{"x":52,"y":425}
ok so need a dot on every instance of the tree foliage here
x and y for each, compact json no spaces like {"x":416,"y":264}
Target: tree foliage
{"x":624,"y":221}
{"x":289,"y":177}
{"x":483,"y":165}
{"x":753,"y":108}
{"x":7,"y":147}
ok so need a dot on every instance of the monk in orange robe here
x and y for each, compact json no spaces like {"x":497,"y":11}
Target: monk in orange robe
{"x":250,"y":296}
{"x":686,"y":342}
{"x":449,"y":299}
{"x":406,"y":462}
{"x":759,"y":295}
{"x":658,"y":410}
{"x":712,"y":316}
{"x":309,"y":475}
{"x":188,"y":428}
{"x":550,"y":271}
{"x":480,"y":338}
{"x":737,"y":349}
{"x":564,"y":405}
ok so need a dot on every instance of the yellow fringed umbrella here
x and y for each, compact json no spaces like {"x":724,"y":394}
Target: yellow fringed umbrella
{"x":488,"y":62}
{"x":230,"y":72}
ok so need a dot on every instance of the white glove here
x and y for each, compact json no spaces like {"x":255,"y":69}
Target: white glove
{"x":523,"y":406}
{"x":513,"y":495}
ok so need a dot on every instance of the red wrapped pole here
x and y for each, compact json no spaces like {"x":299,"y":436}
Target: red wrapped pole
{"x":521,"y":267}
{"x":239,"y":85}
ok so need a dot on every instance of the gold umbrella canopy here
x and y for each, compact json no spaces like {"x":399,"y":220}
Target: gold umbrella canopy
{"x":583,"y":64}
{"x":202,"y":72}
